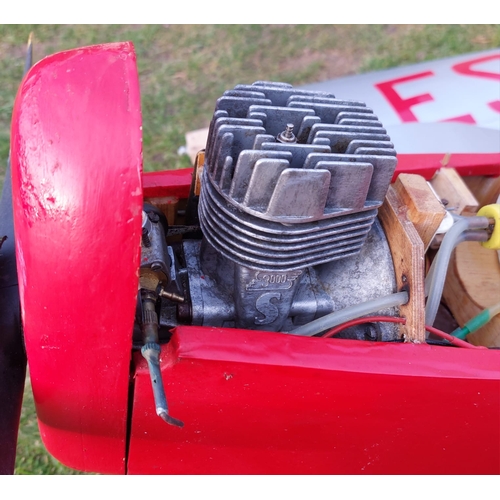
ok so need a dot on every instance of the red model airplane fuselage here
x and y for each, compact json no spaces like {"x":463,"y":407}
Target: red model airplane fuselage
{"x":253,"y":402}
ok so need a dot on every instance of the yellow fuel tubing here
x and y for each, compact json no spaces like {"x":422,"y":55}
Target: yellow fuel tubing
{"x":492,"y":212}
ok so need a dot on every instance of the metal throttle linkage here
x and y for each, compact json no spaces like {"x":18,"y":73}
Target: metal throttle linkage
{"x":154,"y":273}
{"x":151,"y":353}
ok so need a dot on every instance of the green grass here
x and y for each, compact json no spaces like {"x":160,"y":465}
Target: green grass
{"x":184,"y":69}
{"x":32,"y":458}
{"x":422,"y":43}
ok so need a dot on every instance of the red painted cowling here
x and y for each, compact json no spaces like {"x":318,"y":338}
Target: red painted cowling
{"x":257,"y":402}
{"x":76,"y":172}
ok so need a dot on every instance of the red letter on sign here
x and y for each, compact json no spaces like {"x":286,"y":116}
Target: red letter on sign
{"x":403,"y":106}
{"x":465,"y":68}
{"x":495,"y":106}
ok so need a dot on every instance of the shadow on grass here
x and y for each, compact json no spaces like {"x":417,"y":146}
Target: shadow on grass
{"x":32,"y":457}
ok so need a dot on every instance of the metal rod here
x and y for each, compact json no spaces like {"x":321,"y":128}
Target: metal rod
{"x":151,"y":353}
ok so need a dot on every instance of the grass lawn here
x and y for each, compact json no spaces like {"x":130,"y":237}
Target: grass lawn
{"x":183,"y":69}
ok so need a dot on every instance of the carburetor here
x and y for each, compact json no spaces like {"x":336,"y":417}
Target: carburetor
{"x":290,"y":187}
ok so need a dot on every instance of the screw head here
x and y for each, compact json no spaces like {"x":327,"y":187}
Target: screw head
{"x":153,"y":217}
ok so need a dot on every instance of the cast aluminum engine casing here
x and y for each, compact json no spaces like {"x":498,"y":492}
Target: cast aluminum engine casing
{"x":291,"y":185}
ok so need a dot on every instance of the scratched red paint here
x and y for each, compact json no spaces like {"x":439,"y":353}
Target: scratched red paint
{"x":252,"y":402}
{"x":76,"y":171}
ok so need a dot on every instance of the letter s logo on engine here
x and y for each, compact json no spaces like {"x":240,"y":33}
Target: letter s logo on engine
{"x":264,"y":305}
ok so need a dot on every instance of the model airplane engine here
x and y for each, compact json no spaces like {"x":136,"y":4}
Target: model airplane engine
{"x":290,"y":187}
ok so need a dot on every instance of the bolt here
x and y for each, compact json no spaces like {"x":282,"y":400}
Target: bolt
{"x":153,"y":217}
{"x":287,"y":135}
{"x":171,"y":296}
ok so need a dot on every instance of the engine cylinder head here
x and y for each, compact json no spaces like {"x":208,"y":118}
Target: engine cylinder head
{"x":274,"y":202}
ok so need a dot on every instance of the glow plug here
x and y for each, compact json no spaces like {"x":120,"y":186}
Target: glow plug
{"x":151,"y":353}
